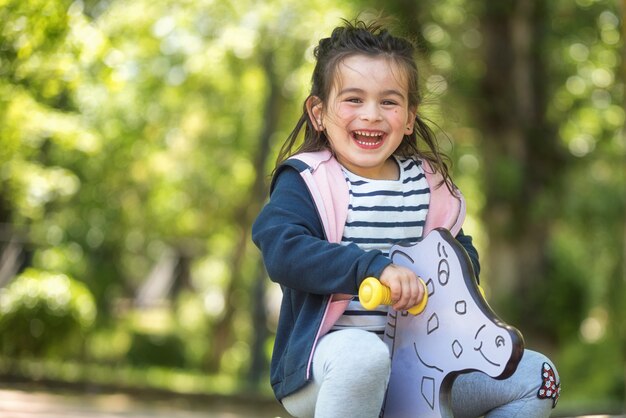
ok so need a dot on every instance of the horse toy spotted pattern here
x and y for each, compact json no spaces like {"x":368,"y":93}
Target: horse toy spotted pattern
{"x":457,"y":332}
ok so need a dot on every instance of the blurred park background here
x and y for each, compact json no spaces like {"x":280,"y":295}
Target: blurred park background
{"x":136,"y":142}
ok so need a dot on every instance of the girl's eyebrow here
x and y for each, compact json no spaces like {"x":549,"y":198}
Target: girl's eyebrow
{"x":390,"y":92}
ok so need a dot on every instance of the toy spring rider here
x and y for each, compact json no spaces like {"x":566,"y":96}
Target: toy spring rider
{"x":452,"y":331}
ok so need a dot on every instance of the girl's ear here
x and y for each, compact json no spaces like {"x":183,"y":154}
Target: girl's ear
{"x":410,"y":121}
{"x":314,"y":109}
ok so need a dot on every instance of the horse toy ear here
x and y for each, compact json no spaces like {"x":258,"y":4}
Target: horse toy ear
{"x":456,"y":332}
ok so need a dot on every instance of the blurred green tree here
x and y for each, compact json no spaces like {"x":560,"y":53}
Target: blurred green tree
{"x":45,"y":314}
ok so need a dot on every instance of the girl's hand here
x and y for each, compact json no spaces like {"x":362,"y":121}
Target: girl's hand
{"x":406,"y":289}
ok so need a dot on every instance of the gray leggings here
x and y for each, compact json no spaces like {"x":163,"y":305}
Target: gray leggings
{"x":343,"y":387}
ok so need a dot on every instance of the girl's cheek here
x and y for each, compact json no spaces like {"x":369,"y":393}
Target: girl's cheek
{"x":344,"y":112}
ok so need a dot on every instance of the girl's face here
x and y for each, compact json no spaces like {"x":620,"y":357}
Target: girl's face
{"x":366,"y":116}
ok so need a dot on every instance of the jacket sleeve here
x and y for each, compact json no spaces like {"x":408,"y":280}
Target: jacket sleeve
{"x":466,"y":242}
{"x":296,"y":254}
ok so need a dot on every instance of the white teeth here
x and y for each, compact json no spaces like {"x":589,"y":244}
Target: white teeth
{"x":364,"y":143}
{"x":368,"y":134}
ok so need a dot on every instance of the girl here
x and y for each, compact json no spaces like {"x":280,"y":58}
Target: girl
{"x":368,"y":175}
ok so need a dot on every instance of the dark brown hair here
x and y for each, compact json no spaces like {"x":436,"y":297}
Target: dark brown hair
{"x":373,"y":40}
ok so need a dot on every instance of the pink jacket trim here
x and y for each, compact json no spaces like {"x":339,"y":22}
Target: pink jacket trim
{"x":445,"y":210}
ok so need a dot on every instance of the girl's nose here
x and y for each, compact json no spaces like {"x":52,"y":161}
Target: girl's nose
{"x":371,"y":112}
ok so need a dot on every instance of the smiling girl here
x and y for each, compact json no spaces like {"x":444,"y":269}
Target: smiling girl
{"x":368,"y":175}
{"x":366,"y":117}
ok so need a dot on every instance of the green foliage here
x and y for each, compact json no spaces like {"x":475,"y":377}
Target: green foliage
{"x":580,"y":363}
{"x":156,"y":350}
{"x":153,"y":337}
{"x":44,"y":314}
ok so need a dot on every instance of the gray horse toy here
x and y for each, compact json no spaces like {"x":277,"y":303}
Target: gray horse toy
{"x":457,"y":332}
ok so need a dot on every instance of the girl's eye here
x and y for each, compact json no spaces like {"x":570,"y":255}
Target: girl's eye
{"x":353,"y":100}
{"x":389,"y":103}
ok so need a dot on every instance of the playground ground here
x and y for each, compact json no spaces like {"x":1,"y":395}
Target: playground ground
{"x":19,"y":401}
{"x":50,"y":403}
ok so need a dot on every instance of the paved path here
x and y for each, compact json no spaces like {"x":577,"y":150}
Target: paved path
{"x":16,"y":403}
{"x":19,"y":402}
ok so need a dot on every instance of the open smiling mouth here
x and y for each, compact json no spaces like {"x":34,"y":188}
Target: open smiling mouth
{"x":368,"y":140}
{"x":479,"y":349}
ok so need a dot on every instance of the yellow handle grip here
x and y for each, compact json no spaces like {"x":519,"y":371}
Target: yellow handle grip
{"x":373,"y":293}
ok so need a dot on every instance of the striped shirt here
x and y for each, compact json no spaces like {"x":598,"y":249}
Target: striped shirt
{"x":382,"y":213}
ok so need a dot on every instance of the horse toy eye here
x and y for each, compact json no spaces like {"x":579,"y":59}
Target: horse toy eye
{"x":499,"y":341}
